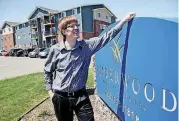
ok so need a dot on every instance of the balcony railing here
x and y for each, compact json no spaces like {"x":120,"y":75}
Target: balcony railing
{"x":49,"y":33}
{"x":33,"y":26}
{"x":49,"y":22}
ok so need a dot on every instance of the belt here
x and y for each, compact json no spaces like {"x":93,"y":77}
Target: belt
{"x":77,"y":93}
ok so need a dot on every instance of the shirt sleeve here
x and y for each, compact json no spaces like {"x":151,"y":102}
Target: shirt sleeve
{"x":49,"y":68}
{"x":96,"y":43}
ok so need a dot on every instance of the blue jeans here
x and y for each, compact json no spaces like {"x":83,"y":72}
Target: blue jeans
{"x":65,"y":105}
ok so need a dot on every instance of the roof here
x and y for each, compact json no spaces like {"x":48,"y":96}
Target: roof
{"x":9,"y":23}
{"x":106,"y":10}
{"x":89,"y":5}
{"x":45,"y":9}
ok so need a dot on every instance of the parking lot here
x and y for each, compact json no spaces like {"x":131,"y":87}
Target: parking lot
{"x":17,"y":66}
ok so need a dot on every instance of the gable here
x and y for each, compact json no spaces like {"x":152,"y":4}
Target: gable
{"x":38,"y":12}
{"x":5,"y":26}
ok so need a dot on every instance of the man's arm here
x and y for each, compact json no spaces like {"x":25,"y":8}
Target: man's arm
{"x":48,"y":71}
{"x":97,"y":43}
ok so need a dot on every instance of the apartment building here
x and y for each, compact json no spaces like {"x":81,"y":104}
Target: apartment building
{"x":41,"y":29}
{"x":8,"y":36}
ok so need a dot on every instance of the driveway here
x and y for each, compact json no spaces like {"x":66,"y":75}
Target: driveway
{"x":17,"y":66}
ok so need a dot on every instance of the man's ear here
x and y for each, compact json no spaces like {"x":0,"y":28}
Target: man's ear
{"x":63,"y":32}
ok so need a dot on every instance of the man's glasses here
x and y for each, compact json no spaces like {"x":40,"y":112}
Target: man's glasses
{"x":73,"y":26}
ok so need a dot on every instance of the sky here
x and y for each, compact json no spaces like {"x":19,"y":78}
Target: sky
{"x":19,"y":10}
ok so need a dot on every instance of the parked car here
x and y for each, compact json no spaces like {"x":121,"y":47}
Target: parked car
{"x":6,"y":53}
{"x":2,"y":52}
{"x":20,"y":53}
{"x":13,"y":51}
{"x":44,"y":53}
{"x":35,"y":53}
{"x":27,"y":51}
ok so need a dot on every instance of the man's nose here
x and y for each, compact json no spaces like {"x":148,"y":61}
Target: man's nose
{"x":75,"y":27}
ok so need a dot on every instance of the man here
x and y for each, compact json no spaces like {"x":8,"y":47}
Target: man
{"x":69,"y":60}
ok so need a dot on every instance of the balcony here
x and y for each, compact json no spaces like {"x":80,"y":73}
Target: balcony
{"x":33,"y":26}
{"x":49,"y":22}
{"x":34,"y":36}
{"x":49,"y":33}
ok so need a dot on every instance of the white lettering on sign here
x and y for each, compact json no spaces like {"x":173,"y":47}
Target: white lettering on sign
{"x":164,"y":101}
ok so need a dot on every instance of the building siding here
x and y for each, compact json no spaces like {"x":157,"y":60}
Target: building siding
{"x":97,"y":29}
{"x":1,"y":42}
{"x":87,"y":17}
{"x":8,"y":41}
{"x":24,"y":39}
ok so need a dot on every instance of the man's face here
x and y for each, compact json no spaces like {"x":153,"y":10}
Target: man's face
{"x":72,"y":30}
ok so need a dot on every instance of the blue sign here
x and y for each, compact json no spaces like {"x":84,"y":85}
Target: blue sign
{"x":137,"y":72}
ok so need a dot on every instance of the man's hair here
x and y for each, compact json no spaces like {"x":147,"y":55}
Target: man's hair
{"x":62,"y":24}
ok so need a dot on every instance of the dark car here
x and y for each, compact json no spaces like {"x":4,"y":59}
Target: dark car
{"x":44,"y":53}
{"x":13,"y":51}
{"x":20,"y":53}
{"x":27,"y":51}
{"x":35,"y":52}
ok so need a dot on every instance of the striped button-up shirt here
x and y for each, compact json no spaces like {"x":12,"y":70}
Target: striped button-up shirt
{"x":67,"y":70}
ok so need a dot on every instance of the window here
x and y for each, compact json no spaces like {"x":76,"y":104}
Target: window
{"x":74,"y":11}
{"x":59,"y":15}
{"x":26,"y":24}
{"x":99,"y":15}
{"x":102,"y":26}
{"x":63,"y":14}
{"x":9,"y":29}
{"x":18,"y":37}
{"x":30,"y":35}
{"x":106,"y":17}
{"x":78,"y":10}
{"x":24,"y":35}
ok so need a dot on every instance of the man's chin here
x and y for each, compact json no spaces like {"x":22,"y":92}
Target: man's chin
{"x":76,"y":37}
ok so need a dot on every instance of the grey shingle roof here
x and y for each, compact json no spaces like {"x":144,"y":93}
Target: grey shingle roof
{"x":48,"y":10}
{"x":45,"y":9}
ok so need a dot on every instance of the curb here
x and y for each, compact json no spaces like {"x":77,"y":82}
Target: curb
{"x":32,"y":108}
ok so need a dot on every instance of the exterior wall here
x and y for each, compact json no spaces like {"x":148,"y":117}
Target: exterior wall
{"x":23,"y":38}
{"x":1,"y":42}
{"x":87,"y":35}
{"x":8,"y":41}
{"x":7,"y":30}
{"x":98,"y":27}
{"x":87,"y":17}
{"x":104,"y":15}
{"x":113,"y":19}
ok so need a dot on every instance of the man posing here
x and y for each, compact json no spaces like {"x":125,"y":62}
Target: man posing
{"x":69,"y":61}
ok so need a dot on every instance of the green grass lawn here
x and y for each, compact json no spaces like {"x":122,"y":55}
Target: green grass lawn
{"x":18,"y":95}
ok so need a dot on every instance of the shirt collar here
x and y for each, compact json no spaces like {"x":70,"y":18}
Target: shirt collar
{"x":62,"y":45}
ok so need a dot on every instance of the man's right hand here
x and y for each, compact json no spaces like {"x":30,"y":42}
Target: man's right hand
{"x":50,"y":93}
